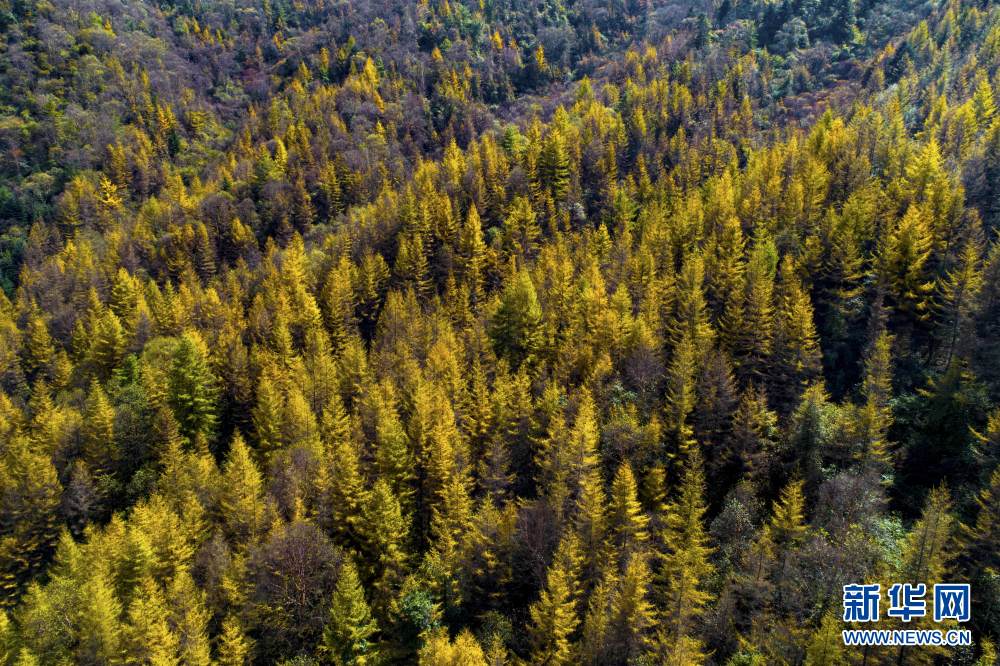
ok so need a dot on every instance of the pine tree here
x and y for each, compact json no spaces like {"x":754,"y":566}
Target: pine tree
{"x":337,"y":301}
{"x":241,"y":501}
{"x":188,"y":619}
{"x":787,"y":525}
{"x":799,"y":353}
{"x":631,"y":613}
{"x":875,"y":416}
{"x":592,"y":527}
{"x":691,"y":316}
{"x":192,"y":390}
{"x":627,"y":518}
{"x":581,"y":452}
{"x":234,"y":648}
{"x":383,"y":532}
{"x":350,"y":626}
{"x":959,"y":292}
{"x":927,"y":555}
{"x":826,"y":647}
{"x":99,"y":448}
{"x":346,"y":485}
{"x":146,"y":635}
{"x":38,"y":350}
{"x":983,"y":547}
{"x":554,"y":166}
{"x":30,"y":502}
{"x":166,"y":434}
{"x":299,"y":427}
{"x":749,"y":315}
{"x":681,"y":384}
{"x":686,"y":564}
{"x":521,"y":229}
{"x":471,"y":255}
{"x":393,"y":455}
{"x":267,"y":422}
{"x":516,"y":325}
{"x":99,"y":621}
{"x":124,"y":299}
{"x":904,"y":259}
{"x":984,"y":103}
{"x":107,"y":349}
{"x":463,"y":651}
{"x":554,"y":617}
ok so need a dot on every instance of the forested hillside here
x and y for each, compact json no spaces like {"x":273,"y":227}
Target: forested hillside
{"x":494,"y":332}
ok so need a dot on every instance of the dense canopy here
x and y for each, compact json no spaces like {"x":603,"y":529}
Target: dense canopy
{"x":497,"y":332}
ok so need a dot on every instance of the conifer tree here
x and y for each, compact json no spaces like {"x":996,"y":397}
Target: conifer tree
{"x":691,"y":316}
{"x":984,"y":103}
{"x":146,"y":635}
{"x":98,"y":432}
{"x":554,"y":617}
{"x":627,"y":518}
{"x":554,"y":166}
{"x":787,"y":525}
{"x":685,"y":566}
{"x":38,"y":343}
{"x":107,"y":348}
{"x":29,"y":505}
{"x":927,"y":556}
{"x":983,"y":547}
{"x":350,"y":626}
{"x":516,"y":325}
{"x":959,"y":292}
{"x":875,"y":416}
{"x":192,"y":390}
{"x":749,"y":315}
{"x":384,"y":531}
{"x":907,"y":252}
{"x":188,"y":619}
{"x":581,"y":451}
{"x":472,"y":254}
{"x":233,"y":647}
{"x":592,"y":527}
{"x":799,"y":353}
{"x":346,"y":485}
{"x":99,"y":623}
{"x":826,"y":647}
{"x":393,"y":456}
{"x":463,"y":651}
{"x":267,"y":421}
{"x":241,"y":501}
{"x":681,"y":384}
{"x":631,"y":613}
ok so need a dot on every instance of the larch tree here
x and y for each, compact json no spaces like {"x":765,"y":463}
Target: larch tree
{"x":927,"y":557}
{"x":233,"y":648}
{"x":875,"y":415}
{"x":628,"y":521}
{"x":98,"y":432}
{"x":685,"y":566}
{"x":463,"y":651}
{"x":267,"y":419}
{"x":383,"y":538}
{"x":242,"y":498}
{"x":554,"y":617}
{"x":350,"y":625}
{"x":192,"y":390}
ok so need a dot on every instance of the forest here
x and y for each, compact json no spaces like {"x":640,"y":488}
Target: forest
{"x":506,"y":333}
